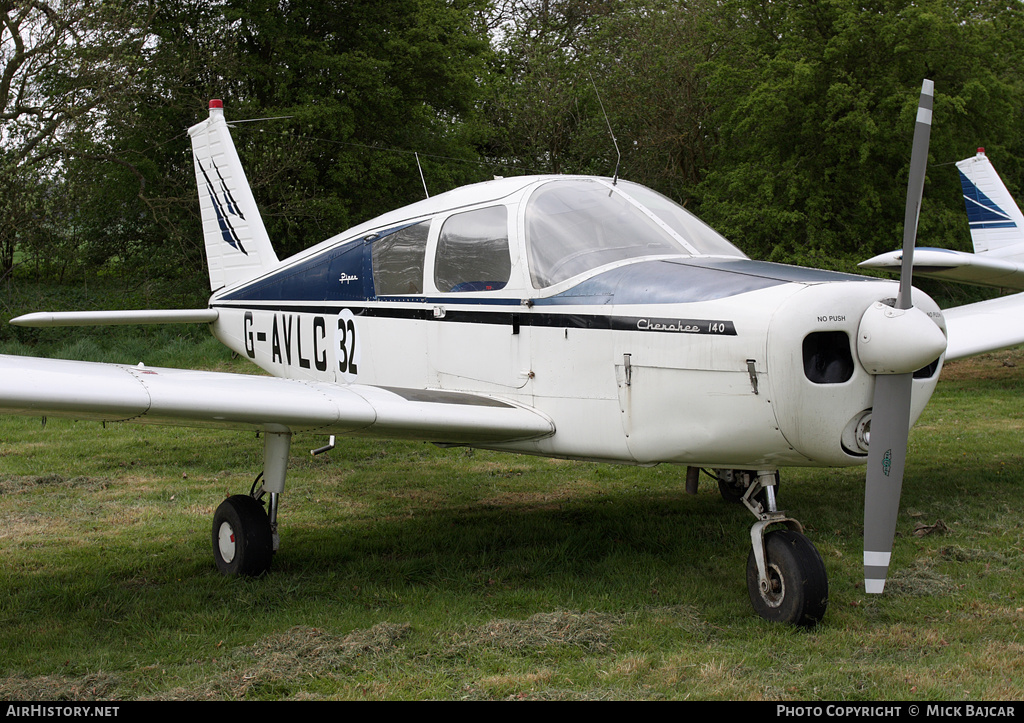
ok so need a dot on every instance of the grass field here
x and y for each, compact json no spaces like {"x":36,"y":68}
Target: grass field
{"x":408,"y":571}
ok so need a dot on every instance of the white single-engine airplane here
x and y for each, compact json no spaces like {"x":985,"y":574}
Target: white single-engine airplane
{"x":566,"y":316}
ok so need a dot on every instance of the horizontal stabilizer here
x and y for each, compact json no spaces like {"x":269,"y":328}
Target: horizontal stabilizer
{"x":104,"y":318}
{"x":965,"y":268}
{"x":115,"y":392}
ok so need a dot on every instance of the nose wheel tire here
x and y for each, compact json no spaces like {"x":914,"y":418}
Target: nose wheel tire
{"x":797,"y":590}
{"x":243,"y":542}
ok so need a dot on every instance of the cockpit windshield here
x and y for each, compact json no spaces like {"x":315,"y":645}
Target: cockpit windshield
{"x":704,"y":239}
{"x":576,"y":225}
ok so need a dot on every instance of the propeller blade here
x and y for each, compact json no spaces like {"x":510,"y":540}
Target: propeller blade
{"x":915,"y":190}
{"x":890,"y":417}
{"x":887,"y":456}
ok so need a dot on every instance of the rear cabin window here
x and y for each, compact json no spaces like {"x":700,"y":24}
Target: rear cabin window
{"x":398,"y":261}
{"x":472,"y":251}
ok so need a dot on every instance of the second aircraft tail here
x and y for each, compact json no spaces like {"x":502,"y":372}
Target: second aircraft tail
{"x":997,"y":226}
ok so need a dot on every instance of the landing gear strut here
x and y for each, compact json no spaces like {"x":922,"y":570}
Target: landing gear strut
{"x":244,"y":534}
{"x":786,"y":577}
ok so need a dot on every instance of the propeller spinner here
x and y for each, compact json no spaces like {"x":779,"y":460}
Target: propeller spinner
{"x":898,"y":340}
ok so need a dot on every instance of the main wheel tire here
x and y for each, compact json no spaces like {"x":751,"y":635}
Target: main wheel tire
{"x":243,"y":543}
{"x":799,"y":583}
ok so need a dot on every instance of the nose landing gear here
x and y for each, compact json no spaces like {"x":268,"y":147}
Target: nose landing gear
{"x":786,"y":577}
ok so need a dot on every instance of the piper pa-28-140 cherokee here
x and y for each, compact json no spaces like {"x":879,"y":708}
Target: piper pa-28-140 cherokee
{"x":567,"y":316}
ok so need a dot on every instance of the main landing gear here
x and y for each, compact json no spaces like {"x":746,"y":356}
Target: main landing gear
{"x":244,"y":534}
{"x":786,"y":577}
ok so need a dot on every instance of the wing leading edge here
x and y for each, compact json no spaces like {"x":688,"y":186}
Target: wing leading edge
{"x":113,"y":392}
{"x":984,"y":326}
{"x":102,"y":318}
{"x":957,"y":266}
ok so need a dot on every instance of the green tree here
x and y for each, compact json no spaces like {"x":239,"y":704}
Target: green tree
{"x":785,"y":125}
{"x":364,"y":86}
{"x":132,"y":192}
{"x":815,"y":142}
{"x":655,"y":63}
{"x":542,"y":109}
{"x":360,"y":86}
{"x":60,"y":63}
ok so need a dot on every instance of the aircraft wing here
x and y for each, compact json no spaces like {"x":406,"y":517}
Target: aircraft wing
{"x":984,"y":326}
{"x":973,"y":328}
{"x":113,"y":392}
{"x":958,"y":266}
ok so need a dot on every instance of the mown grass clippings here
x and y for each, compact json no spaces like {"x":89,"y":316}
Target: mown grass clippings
{"x":280,"y":664}
{"x":587,"y":631}
{"x":920,"y":579}
{"x":90,"y":687}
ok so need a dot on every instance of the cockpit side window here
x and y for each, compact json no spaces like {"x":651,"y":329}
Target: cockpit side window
{"x":472,"y":251}
{"x":398,"y":261}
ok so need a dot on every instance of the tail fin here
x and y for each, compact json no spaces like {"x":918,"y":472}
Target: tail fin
{"x":996,"y":222}
{"x":237,"y":244}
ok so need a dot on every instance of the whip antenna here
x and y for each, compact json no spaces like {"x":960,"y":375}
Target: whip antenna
{"x":618,"y":153}
{"x":422,"y":179}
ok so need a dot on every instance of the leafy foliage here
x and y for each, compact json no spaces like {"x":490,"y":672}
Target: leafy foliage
{"x":816,"y":143}
{"x":787,"y":126}
{"x":363,"y":86}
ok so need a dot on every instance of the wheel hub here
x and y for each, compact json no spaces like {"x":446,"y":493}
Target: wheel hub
{"x":226,"y":542}
{"x":773,"y":589}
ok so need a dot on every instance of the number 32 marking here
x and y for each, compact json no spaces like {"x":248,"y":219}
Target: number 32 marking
{"x":345,"y":346}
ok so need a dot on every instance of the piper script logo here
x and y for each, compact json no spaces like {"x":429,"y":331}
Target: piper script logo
{"x":345,"y":278}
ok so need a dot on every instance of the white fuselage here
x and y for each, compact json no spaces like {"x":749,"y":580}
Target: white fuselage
{"x":717,"y":382}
